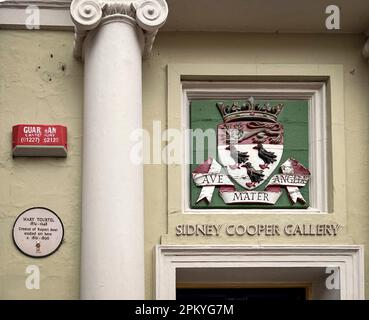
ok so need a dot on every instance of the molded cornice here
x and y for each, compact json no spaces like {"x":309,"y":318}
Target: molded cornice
{"x":52,"y":4}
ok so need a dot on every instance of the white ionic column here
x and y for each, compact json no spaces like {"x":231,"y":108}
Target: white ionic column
{"x":111,"y":37}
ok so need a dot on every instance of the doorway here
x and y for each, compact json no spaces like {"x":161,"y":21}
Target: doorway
{"x":261,"y":283}
{"x":282,"y":265}
{"x":241,"y":293}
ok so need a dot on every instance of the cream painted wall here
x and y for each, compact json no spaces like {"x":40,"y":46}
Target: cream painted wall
{"x":222,"y":49}
{"x":27,"y":95}
{"x":35,"y":89}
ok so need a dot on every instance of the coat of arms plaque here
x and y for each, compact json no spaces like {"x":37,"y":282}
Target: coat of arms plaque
{"x":261,"y":155}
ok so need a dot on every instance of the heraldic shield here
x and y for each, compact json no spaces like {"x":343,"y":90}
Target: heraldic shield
{"x":250,"y":141}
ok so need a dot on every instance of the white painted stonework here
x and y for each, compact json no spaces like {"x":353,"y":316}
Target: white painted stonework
{"x":111,"y":37}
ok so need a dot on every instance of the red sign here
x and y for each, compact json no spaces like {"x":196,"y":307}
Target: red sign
{"x":32,"y":140}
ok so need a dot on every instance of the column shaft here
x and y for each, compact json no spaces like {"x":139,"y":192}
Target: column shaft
{"x":112,"y":258}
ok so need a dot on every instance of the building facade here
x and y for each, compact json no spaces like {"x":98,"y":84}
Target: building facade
{"x":207,"y":147}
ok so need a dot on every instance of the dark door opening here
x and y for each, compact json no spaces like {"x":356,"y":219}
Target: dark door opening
{"x":243,"y":294}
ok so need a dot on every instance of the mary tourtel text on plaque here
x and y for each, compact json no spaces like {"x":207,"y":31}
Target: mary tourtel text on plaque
{"x":38,"y":232}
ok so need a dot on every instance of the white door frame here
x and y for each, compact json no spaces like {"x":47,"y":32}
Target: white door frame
{"x":348,"y":258}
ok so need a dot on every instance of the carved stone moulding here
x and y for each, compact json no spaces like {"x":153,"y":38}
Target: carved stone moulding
{"x":87,"y":15}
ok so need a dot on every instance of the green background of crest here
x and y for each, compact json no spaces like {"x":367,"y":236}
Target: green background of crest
{"x":205,"y":115}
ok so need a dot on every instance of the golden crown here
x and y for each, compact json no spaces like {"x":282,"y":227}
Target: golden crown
{"x":249,"y":110}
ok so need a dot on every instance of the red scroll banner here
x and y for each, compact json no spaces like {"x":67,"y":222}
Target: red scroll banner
{"x":208,"y":176}
{"x":294,"y":175}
